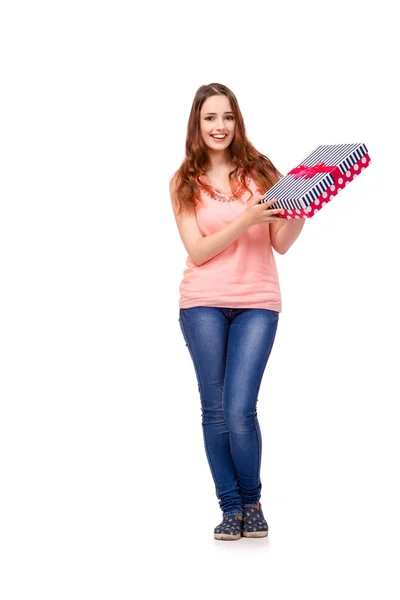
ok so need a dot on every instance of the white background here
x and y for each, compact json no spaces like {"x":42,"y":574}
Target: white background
{"x":105,"y":488}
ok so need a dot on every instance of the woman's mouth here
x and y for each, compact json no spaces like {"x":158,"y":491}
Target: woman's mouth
{"x":219,"y":138}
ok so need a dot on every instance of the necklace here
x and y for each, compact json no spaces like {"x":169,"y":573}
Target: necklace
{"x":227,"y":196}
{"x":232,"y":196}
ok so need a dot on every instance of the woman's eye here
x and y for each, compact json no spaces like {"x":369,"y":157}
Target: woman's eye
{"x":228,"y":117}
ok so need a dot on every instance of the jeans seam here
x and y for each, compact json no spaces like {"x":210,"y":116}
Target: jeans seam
{"x":259,"y":451}
{"x":201,"y":400}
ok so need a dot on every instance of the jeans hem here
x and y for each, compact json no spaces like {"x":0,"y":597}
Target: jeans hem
{"x":233,"y":512}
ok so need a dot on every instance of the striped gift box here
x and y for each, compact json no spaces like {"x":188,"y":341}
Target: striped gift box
{"x":317,"y":179}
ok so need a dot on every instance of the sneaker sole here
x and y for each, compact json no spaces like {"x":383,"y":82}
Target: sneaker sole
{"x":254,"y":534}
{"x":227,"y":536}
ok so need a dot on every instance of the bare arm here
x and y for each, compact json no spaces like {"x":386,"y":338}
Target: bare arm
{"x":283,"y":235}
{"x":211,"y":245}
{"x":203,"y":248}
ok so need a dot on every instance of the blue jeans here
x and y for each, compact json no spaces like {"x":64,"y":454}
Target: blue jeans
{"x":230,"y":348}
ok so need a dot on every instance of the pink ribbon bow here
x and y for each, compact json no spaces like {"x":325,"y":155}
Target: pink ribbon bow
{"x":308,"y":172}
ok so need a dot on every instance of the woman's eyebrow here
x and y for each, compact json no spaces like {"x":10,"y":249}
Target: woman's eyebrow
{"x":225,"y":113}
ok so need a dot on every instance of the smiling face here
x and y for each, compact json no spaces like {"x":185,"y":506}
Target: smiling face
{"x":216,"y":117}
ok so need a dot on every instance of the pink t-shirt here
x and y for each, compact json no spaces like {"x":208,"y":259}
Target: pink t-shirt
{"x":244,"y":275}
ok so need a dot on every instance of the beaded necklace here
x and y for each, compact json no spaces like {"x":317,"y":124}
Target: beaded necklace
{"x":222,"y":197}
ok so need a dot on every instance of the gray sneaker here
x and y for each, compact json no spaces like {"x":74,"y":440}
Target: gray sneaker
{"x":230,"y":528}
{"x":254,"y":524}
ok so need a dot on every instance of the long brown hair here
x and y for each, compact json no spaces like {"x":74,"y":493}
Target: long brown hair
{"x":241,"y":153}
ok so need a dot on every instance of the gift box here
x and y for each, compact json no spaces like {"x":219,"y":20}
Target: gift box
{"x":317,"y":179}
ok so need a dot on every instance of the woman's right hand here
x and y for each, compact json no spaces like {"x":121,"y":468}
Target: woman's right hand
{"x":256,"y":214}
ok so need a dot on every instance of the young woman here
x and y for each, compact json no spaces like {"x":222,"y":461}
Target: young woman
{"x":229,"y":296}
